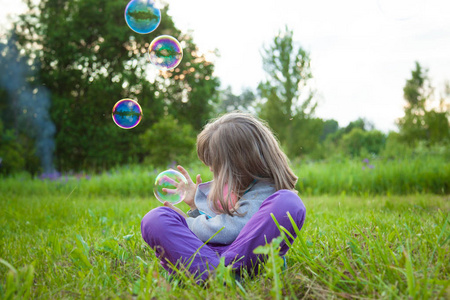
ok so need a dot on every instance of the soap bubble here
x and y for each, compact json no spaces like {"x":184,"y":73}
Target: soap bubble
{"x":400,"y":10}
{"x":170,"y":186}
{"x":142,"y":16}
{"x":165,"y":52}
{"x":127,"y":113}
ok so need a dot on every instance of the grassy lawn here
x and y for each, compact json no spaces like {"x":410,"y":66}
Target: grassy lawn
{"x":72,"y":245}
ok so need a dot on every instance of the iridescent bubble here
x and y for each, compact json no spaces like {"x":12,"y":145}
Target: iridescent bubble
{"x":170,"y":186}
{"x":142,"y":16}
{"x":165,"y":52}
{"x":127,"y":113}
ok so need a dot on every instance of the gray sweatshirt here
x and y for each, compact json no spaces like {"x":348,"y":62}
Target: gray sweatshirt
{"x":205,"y":223}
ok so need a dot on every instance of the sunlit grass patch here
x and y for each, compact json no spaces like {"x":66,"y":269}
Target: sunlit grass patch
{"x":371,"y":247}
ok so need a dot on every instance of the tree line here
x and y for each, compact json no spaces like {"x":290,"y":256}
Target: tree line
{"x":82,"y":58}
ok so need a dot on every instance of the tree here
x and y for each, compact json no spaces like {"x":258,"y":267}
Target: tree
{"x":395,"y":148}
{"x":160,"y":150}
{"x":361,"y":123}
{"x":358,"y":142}
{"x":416,"y":92}
{"x":437,"y":127}
{"x":11,"y":152}
{"x":329,"y":127}
{"x":89,"y":59}
{"x":229,"y":102}
{"x":335,"y":137}
{"x":305,"y":137}
{"x":420,"y":123}
{"x":288,"y":102}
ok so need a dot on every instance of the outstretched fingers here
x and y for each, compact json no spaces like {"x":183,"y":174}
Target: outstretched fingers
{"x":169,"y":191}
{"x":185,"y":174}
{"x":170,"y":180}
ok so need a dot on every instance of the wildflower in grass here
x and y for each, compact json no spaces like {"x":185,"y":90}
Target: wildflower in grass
{"x":367,"y":164}
{"x":55,"y":175}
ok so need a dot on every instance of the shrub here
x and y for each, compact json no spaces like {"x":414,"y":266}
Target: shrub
{"x":358,"y":142}
{"x":167,"y":141}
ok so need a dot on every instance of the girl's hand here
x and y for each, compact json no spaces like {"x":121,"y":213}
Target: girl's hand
{"x":191,"y":187}
{"x":170,"y":205}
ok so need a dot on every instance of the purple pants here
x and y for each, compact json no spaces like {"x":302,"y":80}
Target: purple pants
{"x":167,"y":232}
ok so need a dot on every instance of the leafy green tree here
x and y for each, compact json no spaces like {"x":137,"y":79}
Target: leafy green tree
{"x":305,"y":136}
{"x":358,"y":142}
{"x":7,"y":113}
{"x":11,"y":152}
{"x":228,"y":101}
{"x":329,"y":127}
{"x":395,"y":147}
{"x":420,"y":123}
{"x":416,"y":92}
{"x":89,"y":59}
{"x":352,"y":142}
{"x":437,"y":127}
{"x":335,"y":137}
{"x":361,"y":123}
{"x":159,"y":149}
{"x":374,"y":141}
{"x":437,"y":120}
{"x":359,"y":137}
{"x":287,"y":68}
{"x":288,"y":102}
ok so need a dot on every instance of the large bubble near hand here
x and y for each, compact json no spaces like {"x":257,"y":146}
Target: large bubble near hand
{"x":170,"y":186}
{"x":142,"y":16}
{"x":127,"y":113}
{"x":165,"y":52}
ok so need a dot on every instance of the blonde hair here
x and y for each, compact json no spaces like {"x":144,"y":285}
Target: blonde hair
{"x":241,"y":148}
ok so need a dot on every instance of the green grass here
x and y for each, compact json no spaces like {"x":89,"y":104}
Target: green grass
{"x":81,"y":239}
{"x":421,"y":174}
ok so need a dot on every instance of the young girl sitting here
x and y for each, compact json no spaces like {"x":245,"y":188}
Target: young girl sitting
{"x":252,"y":179}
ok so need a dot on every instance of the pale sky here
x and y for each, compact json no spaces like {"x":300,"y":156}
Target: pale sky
{"x":362,"y":51}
